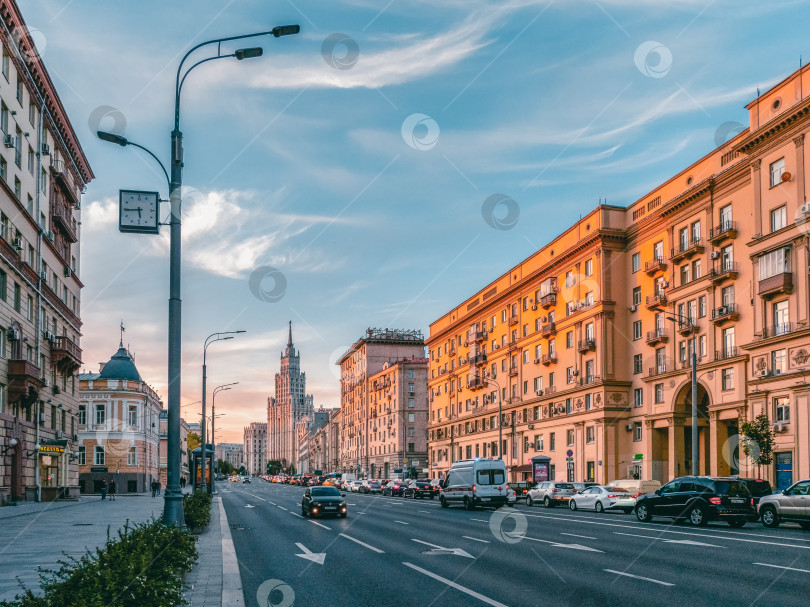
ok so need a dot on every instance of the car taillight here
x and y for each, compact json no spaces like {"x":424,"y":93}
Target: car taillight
{"x":752,"y":501}
{"x":614,"y":495}
{"x":554,"y":490}
{"x":475,"y":488}
{"x":715,"y":500}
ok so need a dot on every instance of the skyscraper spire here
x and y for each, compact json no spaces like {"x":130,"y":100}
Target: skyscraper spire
{"x":289,"y":339}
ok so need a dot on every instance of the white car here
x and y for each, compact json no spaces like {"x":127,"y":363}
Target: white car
{"x":354,"y":486}
{"x":511,"y":497}
{"x":602,"y":498}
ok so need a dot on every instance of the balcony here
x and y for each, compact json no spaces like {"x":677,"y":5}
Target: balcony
{"x":776,"y":330}
{"x":63,"y":176}
{"x":480,"y":336}
{"x":551,"y":390}
{"x":548,"y":301}
{"x":478,"y":359}
{"x":513,"y":320}
{"x":587,"y":344}
{"x":65,"y":354}
{"x":658,"y":369}
{"x":725,"y":313}
{"x":513,"y":371}
{"x":476,"y":384}
{"x":548,"y":359}
{"x":686,"y":250}
{"x":776,"y":285}
{"x":726,"y":230}
{"x":729,"y":352}
{"x":654,"y":265}
{"x":24,"y":381}
{"x":589,"y":379}
{"x":687,"y":328}
{"x":657,"y":336}
{"x":727,"y":270}
{"x":63,"y":218}
{"x":654,"y":301}
{"x":548,"y":329}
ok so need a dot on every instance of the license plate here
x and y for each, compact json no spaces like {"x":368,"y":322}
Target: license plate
{"x":737,"y":500}
{"x":330,"y":508}
{"x":484,"y":499}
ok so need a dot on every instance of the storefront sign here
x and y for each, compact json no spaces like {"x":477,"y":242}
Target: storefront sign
{"x":98,"y":469}
{"x":638,"y":456}
{"x":51,"y":449}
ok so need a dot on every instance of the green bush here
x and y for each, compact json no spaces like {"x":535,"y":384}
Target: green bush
{"x":197,"y":509}
{"x":142,"y":567}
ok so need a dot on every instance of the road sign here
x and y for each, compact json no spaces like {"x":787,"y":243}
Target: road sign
{"x":569,"y":459}
{"x":569,"y":453}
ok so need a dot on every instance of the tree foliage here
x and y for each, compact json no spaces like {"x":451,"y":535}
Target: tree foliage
{"x":225,"y":467}
{"x":193,"y":440}
{"x":757,"y":440}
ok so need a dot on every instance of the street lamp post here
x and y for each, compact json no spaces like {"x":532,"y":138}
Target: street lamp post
{"x":213,"y":417}
{"x":500,"y":413}
{"x":222,"y":336}
{"x":693,"y":364}
{"x":173,"y":504}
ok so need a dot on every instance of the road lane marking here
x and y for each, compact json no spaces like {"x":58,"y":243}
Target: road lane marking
{"x":479,"y":520}
{"x":670,"y":541}
{"x":369,"y":546}
{"x":402,"y":522}
{"x":585,"y":537}
{"x":320,"y":525}
{"x":452,"y":584}
{"x":475,"y":539}
{"x":782,"y":567}
{"x":425,"y":511}
{"x":638,"y":577}
{"x":282,"y":507}
{"x":315,"y":557}
{"x":298,"y":515}
{"x":561,"y":545}
{"x":443,"y":550}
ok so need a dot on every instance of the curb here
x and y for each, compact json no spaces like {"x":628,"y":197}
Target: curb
{"x":232,"y":593}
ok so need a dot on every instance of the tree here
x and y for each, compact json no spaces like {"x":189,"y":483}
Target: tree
{"x":242,"y":471}
{"x":225,"y":467}
{"x":273,"y":467}
{"x":757,"y":440}
{"x":193,"y":440}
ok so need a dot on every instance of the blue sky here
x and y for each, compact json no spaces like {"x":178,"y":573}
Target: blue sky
{"x":356,"y":166}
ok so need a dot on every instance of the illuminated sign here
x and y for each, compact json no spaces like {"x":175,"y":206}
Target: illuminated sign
{"x":51,"y":449}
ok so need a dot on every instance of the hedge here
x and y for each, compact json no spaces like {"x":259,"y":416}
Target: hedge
{"x":142,"y":567}
{"x":197,"y":509}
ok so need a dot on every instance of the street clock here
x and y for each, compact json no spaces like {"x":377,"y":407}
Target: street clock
{"x":138,"y":212}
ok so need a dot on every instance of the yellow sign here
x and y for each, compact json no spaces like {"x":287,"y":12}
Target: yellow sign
{"x":51,"y":449}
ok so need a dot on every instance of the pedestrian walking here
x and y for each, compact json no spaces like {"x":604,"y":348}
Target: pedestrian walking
{"x":158,"y":487}
{"x":111,"y":489}
{"x":154,"y":488}
{"x":103,"y":490}
{"x":182,"y":482}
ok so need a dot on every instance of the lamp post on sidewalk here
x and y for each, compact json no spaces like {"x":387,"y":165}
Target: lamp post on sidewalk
{"x":500,"y":412}
{"x":173,"y":497}
{"x":213,"y":417}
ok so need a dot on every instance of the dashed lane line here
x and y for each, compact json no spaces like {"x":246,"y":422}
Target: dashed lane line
{"x":453,"y":584}
{"x":782,"y":567}
{"x":475,"y":539}
{"x":638,"y":577}
{"x":356,"y":541}
{"x":585,"y":537}
{"x":402,"y":522}
{"x":321,"y":525}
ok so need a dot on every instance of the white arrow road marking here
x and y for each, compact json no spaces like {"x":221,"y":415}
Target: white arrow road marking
{"x":781,"y":567}
{"x":443,"y":550}
{"x":638,"y":577}
{"x":452,"y":584}
{"x":475,"y":539}
{"x":561,"y":545}
{"x":692,"y":543}
{"x":315,"y":557}
{"x":250,"y":506}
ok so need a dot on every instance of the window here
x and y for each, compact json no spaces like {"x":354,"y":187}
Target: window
{"x":53,"y":417}
{"x":778,"y":218}
{"x":82,"y":415}
{"x":569,"y":375}
{"x":570,"y":437}
{"x":636,"y":296}
{"x":538,"y":386}
{"x":569,"y":339}
{"x":637,"y":329}
{"x":638,"y":397}
{"x":17,"y":297}
{"x":637,"y":431}
{"x":781,"y":406}
{"x":683,"y":238}
{"x":589,"y":298}
{"x":551,"y":379}
{"x":697,"y":269}
{"x":661,"y":360}
{"x":132,"y":416}
{"x":781,"y":318}
{"x":410,"y":373}
{"x":410,"y":388}
{"x":552,"y":441}
{"x":777,"y":168}
{"x":774,"y":263}
{"x":701,"y":306}
{"x":725,"y":218}
{"x":411,"y":417}
{"x":728,"y":379}
{"x":19,"y":89}
{"x":410,"y":403}
{"x":589,"y":435}
{"x":589,"y":267}
{"x":101,"y":415}
{"x":18,"y":188}
{"x":728,"y":342}
{"x":696,"y":231}
{"x":636,"y":262}
{"x":6,"y":63}
{"x":727,"y":295}
{"x":658,"y":250}
{"x":538,"y":440}
{"x":659,"y":393}
{"x":778,"y":360}
{"x":4,"y":118}
{"x":132,"y":456}
{"x":568,"y":406}
{"x":684,"y":273}
{"x":3,"y":169}
{"x":82,"y":455}
{"x":588,"y":402}
{"x":98,"y":455}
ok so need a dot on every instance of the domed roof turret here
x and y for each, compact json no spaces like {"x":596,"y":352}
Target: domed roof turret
{"x":120,"y":366}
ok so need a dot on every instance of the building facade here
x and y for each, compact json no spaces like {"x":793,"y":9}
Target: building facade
{"x":378,"y":350}
{"x":43,"y":172}
{"x":233,"y":453}
{"x":255,"y":448}
{"x":290,"y":405}
{"x":585,"y":347}
{"x":305,"y":431}
{"x":119,"y":428}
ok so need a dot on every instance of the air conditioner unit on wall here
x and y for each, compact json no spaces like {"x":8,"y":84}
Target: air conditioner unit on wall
{"x":714,"y":255}
{"x":9,"y":141}
{"x":633,"y":308}
{"x":780,"y":427}
{"x":806,"y":208}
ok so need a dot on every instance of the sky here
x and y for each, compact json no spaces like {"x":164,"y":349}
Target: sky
{"x":379,"y":167}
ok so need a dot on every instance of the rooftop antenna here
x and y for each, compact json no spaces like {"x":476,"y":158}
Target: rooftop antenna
{"x":121,"y":342}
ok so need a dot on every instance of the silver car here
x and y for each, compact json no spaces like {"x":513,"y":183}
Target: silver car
{"x":550,"y":493}
{"x":601,"y":498}
{"x":792,"y":505}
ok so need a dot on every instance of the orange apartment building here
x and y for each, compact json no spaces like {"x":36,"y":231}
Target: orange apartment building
{"x":588,"y":371}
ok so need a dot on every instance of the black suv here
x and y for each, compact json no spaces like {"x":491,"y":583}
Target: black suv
{"x":521,"y":488}
{"x":759,"y":488}
{"x":420,"y":489}
{"x":699,"y":499}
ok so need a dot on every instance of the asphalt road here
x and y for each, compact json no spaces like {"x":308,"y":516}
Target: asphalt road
{"x":395,"y":551}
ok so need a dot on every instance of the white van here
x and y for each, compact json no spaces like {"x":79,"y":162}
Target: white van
{"x":475,"y":482}
{"x":636,"y":486}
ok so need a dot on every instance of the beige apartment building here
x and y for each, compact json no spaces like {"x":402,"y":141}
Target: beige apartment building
{"x":255,"y":442}
{"x":43,"y":173}
{"x":585,"y":345}
{"x":375,"y":352}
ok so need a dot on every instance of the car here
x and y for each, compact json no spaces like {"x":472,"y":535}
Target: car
{"x":522,"y":488}
{"x":793,"y":505}
{"x":394,"y":488}
{"x":475,"y":482}
{"x":511,"y":497}
{"x":420,"y":489}
{"x":435,"y":486}
{"x":600,"y":498}
{"x":322,"y":501}
{"x":247,"y":480}
{"x":699,"y":499}
{"x":374,"y":487}
{"x":550,"y":493}
{"x":580,"y":487}
{"x":759,"y":488}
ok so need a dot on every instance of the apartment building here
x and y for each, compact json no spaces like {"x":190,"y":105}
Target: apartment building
{"x":43,"y":173}
{"x":233,"y":453}
{"x":377,"y":350}
{"x":582,"y":352}
{"x":255,"y":442}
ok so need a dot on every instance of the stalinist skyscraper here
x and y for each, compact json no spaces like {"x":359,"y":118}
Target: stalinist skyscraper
{"x":291,"y":404}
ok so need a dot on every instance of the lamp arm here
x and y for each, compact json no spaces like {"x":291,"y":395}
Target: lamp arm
{"x":165,"y":173}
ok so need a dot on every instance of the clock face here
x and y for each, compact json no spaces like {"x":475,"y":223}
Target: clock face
{"x":138,"y":211}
